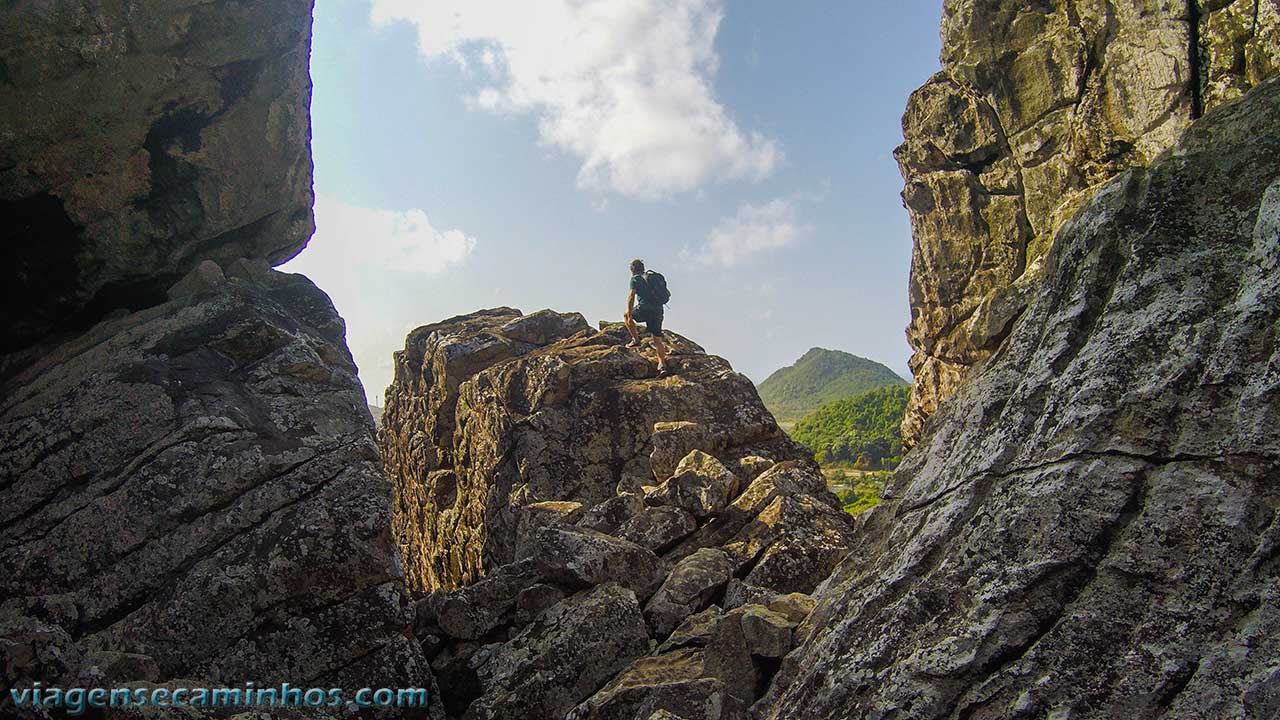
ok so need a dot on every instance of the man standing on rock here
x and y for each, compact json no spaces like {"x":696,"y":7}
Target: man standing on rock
{"x":650,"y":288}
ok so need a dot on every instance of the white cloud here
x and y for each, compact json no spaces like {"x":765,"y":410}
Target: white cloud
{"x":753,"y":230}
{"x":399,"y":240}
{"x":624,"y":85}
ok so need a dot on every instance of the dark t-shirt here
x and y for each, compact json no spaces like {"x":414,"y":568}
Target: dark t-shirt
{"x":641,"y":285}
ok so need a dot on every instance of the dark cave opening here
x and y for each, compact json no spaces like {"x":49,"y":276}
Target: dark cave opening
{"x":39,"y":268}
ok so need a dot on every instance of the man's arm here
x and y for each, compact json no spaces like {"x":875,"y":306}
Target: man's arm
{"x":631,"y":301}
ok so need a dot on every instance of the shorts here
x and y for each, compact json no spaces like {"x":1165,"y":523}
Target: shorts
{"x":651,"y":317}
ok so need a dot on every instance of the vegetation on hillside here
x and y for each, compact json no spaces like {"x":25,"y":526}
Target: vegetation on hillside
{"x":858,"y":491}
{"x":821,"y":376}
{"x":862,"y":431}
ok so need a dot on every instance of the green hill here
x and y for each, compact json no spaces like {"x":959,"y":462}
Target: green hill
{"x":821,"y":376}
{"x":863,"y":430}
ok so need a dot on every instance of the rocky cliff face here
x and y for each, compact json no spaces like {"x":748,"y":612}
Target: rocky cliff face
{"x":1090,"y":529}
{"x":191,"y":481}
{"x":470,"y":438}
{"x":597,"y":542}
{"x":193,"y":491}
{"x":138,"y":139}
{"x":1037,"y":105}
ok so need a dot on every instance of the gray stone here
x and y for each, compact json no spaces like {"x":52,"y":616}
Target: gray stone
{"x":202,"y":473}
{"x":205,"y":277}
{"x":611,"y":514}
{"x":544,"y":327}
{"x":795,"y":607}
{"x":472,"y":612}
{"x":673,"y":441}
{"x":1037,"y":106}
{"x":138,"y":140}
{"x":692,"y":585}
{"x":576,"y":558}
{"x":694,"y":631}
{"x":562,"y":657}
{"x":675,"y":683}
{"x":542,"y":514}
{"x":751,"y":467}
{"x":1088,"y":528}
{"x":701,"y":485}
{"x":534,"y":599}
{"x":657,"y":528}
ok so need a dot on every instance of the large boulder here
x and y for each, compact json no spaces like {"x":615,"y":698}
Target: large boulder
{"x":1037,"y":105}
{"x":657,"y":528}
{"x":700,"y":485}
{"x":743,"y":526}
{"x":675,"y":684}
{"x":562,"y":657}
{"x":577,"y":558}
{"x":137,"y":140}
{"x":471,"y":612}
{"x":1089,"y":528}
{"x":486,"y":417}
{"x":693,"y":583}
{"x":197,"y":485}
{"x":613,"y":513}
{"x":794,"y":544}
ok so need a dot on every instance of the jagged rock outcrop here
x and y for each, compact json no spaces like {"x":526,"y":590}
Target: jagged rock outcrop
{"x":138,"y":139}
{"x":493,"y":412}
{"x":1036,"y":106}
{"x":1089,"y":528}
{"x":193,"y":494}
{"x":193,"y":491}
{"x":578,"y":522}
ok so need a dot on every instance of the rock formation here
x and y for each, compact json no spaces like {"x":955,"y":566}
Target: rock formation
{"x":594,"y":541}
{"x":138,"y":139}
{"x":1089,"y":528}
{"x":541,"y":527}
{"x":193,"y":494}
{"x":195,"y":488}
{"x":1036,"y":106}
{"x":470,"y":439}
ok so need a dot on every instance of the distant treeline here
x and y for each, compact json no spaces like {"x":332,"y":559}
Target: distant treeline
{"x":863,"y":430}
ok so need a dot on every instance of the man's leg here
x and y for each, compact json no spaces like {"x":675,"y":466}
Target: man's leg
{"x":631,"y":327}
{"x":660,"y":347}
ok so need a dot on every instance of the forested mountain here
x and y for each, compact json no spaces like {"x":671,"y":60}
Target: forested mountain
{"x":864,"y":429}
{"x":821,"y":376}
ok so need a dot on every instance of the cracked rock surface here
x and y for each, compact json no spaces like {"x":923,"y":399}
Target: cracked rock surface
{"x":576,"y":522}
{"x":486,"y":421}
{"x":138,"y":139}
{"x":1037,"y":105}
{"x":1090,"y":528}
{"x":193,"y":491}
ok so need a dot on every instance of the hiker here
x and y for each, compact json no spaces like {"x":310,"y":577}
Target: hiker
{"x":650,"y":289}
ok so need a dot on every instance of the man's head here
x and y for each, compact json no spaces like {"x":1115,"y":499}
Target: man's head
{"x":637,"y":267}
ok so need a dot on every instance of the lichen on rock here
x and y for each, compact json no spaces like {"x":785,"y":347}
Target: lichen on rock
{"x":1089,"y":529}
{"x":1037,"y":105}
{"x":194,"y":490}
{"x":139,"y":139}
{"x":566,"y":472}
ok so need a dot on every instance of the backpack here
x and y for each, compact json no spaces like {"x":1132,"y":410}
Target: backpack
{"x":657,"y":286}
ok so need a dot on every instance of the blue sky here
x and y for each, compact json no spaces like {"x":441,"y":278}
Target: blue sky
{"x":481,"y":153}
